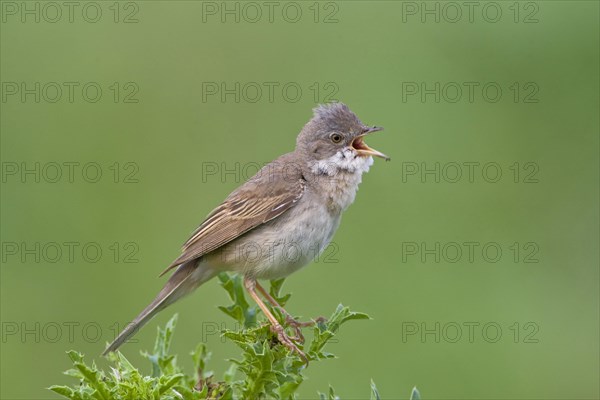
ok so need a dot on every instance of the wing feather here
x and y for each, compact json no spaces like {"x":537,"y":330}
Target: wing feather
{"x":254,"y":203}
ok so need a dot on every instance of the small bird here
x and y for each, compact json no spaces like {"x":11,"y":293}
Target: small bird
{"x":278,"y":220}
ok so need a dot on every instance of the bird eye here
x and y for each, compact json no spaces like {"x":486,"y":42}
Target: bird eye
{"x":335,"y":137}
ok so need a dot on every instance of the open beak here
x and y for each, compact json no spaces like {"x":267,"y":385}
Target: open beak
{"x":361,"y":147}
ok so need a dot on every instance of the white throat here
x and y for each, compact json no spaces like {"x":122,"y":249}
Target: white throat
{"x":341,"y":174}
{"x":345,"y":160}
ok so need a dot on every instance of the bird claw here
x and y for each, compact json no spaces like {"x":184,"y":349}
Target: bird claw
{"x":298,"y":325}
{"x":288,"y":342}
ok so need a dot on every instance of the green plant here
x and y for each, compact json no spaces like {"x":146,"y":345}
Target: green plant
{"x":266,"y":369}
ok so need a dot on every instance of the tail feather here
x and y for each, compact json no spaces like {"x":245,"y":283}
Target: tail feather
{"x":186,"y":278}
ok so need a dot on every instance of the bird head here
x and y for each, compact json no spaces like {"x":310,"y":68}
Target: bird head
{"x":336,"y":136}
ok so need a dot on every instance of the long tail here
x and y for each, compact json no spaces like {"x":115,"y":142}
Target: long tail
{"x":185,"y":280}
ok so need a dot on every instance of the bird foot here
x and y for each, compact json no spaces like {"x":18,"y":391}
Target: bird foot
{"x":298,"y":325}
{"x":288,"y":342}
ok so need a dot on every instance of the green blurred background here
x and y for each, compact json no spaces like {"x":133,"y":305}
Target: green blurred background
{"x":369,"y":54}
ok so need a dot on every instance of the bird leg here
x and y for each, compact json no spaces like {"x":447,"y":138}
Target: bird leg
{"x":250,"y":284}
{"x":291,"y":321}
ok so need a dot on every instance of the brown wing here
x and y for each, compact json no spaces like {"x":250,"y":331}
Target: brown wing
{"x":256,"y":202}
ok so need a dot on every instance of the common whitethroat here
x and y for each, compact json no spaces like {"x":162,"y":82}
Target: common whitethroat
{"x":293,"y":204}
